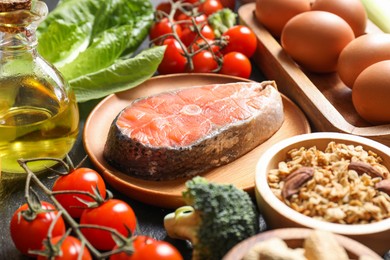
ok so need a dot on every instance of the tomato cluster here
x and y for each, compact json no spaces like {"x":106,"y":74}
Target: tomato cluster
{"x":200,"y":38}
{"x":82,"y":205}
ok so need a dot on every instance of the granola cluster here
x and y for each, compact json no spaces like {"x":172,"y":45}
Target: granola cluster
{"x":343,"y":184}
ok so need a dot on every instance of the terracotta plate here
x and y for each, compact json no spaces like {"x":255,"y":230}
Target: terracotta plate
{"x":167,"y":194}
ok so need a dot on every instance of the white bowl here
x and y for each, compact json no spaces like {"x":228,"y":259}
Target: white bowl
{"x":278,"y":215}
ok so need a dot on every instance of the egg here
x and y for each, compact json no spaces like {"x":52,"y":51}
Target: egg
{"x":315,"y":39}
{"x":360,"y":53}
{"x":371,"y":93}
{"x":352,"y":11}
{"x":274,"y":14}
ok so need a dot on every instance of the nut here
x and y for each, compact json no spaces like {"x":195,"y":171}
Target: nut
{"x":295,"y":180}
{"x":384,"y":186}
{"x":362,"y":167}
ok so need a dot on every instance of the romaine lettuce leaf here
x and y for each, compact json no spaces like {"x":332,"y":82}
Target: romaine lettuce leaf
{"x":122,"y":75}
{"x":92,"y":42}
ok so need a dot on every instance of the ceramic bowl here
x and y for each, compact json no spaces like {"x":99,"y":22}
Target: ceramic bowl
{"x":294,"y":238}
{"x":278,"y":215}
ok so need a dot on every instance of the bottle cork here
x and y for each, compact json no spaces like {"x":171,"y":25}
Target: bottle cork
{"x":14,"y":5}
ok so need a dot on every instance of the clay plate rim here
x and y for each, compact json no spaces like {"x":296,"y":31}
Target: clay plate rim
{"x":167,"y":194}
{"x":296,"y":236}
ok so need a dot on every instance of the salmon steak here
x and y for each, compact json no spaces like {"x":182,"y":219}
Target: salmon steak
{"x":189,"y":131}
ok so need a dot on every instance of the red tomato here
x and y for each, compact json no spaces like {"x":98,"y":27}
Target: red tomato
{"x":28,"y":235}
{"x":209,"y":7}
{"x":163,"y":27}
{"x":228,"y":3}
{"x":185,"y":20}
{"x":236,"y":64}
{"x":189,"y":36}
{"x":149,"y":248}
{"x":69,"y":249}
{"x":174,"y":60}
{"x":113,"y":213}
{"x":200,"y":43}
{"x":241,"y":39}
{"x":81,"y":179}
{"x":204,"y":62}
{"x":164,"y":7}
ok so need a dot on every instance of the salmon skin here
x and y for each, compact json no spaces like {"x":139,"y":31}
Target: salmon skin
{"x":190,"y":131}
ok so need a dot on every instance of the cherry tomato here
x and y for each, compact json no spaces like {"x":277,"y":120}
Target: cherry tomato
{"x":189,"y":36}
{"x":113,"y":213}
{"x":163,"y":27}
{"x":149,"y":248}
{"x":200,"y":43}
{"x":81,"y":179}
{"x":236,"y":64}
{"x":28,"y":235}
{"x":70,"y":248}
{"x":228,"y":3}
{"x":209,"y":7}
{"x":204,"y":62}
{"x":241,"y":39}
{"x":185,"y":20}
{"x":174,"y":60}
{"x":164,"y":7}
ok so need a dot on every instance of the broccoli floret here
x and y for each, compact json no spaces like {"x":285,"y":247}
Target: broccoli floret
{"x":222,"y":20}
{"x":216,"y":218}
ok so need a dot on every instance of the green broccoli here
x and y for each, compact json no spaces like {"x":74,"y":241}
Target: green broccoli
{"x":222,"y":20}
{"x":216,"y":218}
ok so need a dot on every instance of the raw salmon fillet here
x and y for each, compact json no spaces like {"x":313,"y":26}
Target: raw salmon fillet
{"x":189,"y":131}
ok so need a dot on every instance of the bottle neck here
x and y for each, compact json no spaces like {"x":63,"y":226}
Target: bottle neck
{"x":26,"y":40}
{"x":18,"y":28}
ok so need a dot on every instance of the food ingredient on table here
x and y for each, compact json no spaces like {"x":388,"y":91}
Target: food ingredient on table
{"x":343,"y":187}
{"x":76,"y":182}
{"x":378,"y":12}
{"x":371,"y":93}
{"x":360,"y":53}
{"x":198,"y":35}
{"x":319,"y":245}
{"x":114,"y":219}
{"x":69,"y":246}
{"x":274,"y":14}
{"x":315,"y":39}
{"x":144,"y":247}
{"x":117,"y":214}
{"x":30,"y":224}
{"x":352,"y":11}
{"x":216,"y":218}
{"x":189,"y":131}
{"x":92,"y":43}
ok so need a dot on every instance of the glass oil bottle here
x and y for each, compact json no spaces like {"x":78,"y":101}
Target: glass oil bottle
{"x":39,"y":116}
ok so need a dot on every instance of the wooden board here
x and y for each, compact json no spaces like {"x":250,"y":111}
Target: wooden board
{"x":325,"y":100}
{"x":167,"y":194}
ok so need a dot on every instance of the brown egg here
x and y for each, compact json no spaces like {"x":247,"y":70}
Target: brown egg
{"x":274,"y":14}
{"x":361,"y":53}
{"x":352,"y":11}
{"x":315,"y":39}
{"x":371,"y":93}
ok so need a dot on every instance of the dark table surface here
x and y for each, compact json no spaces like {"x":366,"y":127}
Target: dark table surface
{"x":150,"y":218}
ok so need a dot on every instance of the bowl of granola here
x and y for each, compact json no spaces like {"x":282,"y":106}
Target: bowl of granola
{"x":330,"y":181}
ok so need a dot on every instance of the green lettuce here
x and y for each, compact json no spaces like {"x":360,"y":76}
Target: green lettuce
{"x":93,"y":43}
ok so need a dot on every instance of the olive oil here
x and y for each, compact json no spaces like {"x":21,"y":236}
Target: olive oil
{"x":35,"y":121}
{"x":38,"y":111}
